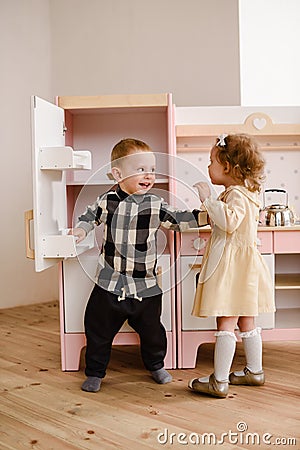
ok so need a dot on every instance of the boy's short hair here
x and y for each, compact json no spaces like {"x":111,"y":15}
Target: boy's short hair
{"x":126,"y":147}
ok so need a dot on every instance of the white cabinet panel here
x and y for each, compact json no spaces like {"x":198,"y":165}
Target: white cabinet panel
{"x":50,"y":159}
{"x":163,"y":261}
{"x":267,"y":320}
{"x":49,"y":190}
{"x":189,"y":270}
{"x":78,"y":284}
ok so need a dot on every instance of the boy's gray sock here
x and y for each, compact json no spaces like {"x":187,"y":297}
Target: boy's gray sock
{"x":161,"y":376}
{"x":91,"y":384}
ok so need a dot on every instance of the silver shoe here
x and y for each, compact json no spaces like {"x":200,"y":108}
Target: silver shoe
{"x":212,"y":387}
{"x":248,"y":378}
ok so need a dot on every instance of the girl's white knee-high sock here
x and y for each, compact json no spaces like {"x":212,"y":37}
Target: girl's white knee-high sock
{"x":223,"y":355}
{"x":252,"y":343}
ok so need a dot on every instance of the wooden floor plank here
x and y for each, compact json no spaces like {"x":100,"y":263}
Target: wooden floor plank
{"x":44,"y":408}
{"x":16,"y":434}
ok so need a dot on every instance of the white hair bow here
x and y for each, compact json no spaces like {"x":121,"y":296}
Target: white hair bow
{"x":221,"y":140}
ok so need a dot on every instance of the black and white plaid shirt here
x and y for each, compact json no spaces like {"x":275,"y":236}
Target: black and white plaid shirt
{"x":127,"y":260}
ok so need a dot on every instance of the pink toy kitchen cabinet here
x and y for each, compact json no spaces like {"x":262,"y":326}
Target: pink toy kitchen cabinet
{"x":72,"y":142}
{"x":277,"y":131}
{"x":195,"y":331}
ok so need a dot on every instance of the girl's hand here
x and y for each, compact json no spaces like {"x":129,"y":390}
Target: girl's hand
{"x":203,"y":190}
{"x":79,"y":233}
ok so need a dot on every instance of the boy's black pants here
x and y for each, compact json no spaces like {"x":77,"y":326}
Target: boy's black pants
{"x":105,"y":315}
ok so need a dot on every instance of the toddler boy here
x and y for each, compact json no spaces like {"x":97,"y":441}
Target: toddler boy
{"x":126,"y":287}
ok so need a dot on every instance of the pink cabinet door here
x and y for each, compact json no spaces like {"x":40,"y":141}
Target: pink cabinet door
{"x":287,"y":241}
{"x":265,"y":242}
{"x":193,"y":243}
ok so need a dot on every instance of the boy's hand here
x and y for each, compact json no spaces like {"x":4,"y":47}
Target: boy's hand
{"x":79,"y":233}
{"x":203,"y":190}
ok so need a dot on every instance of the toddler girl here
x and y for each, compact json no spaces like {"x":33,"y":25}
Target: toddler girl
{"x":234,"y":283}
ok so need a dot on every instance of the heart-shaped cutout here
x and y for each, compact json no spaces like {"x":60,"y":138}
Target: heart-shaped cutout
{"x":259,"y":123}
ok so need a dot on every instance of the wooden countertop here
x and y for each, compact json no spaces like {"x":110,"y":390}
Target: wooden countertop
{"x":207,"y":229}
{"x":290,"y":228}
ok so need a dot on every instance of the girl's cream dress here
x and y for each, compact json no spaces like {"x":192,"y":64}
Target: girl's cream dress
{"x":234,"y":279}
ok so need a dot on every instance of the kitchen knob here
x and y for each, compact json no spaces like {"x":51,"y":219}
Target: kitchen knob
{"x":199,"y":243}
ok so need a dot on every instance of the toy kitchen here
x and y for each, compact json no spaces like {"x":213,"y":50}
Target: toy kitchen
{"x":72,"y":141}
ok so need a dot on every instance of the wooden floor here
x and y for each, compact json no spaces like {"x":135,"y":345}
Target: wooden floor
{"x":44,"y":408}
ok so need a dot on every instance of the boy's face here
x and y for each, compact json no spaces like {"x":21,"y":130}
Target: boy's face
{"x":135,"y":172}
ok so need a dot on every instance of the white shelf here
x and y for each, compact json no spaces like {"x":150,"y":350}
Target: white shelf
{"x":287,"y":281}
{"x":64,"y":158}
{"x":64,"y":246}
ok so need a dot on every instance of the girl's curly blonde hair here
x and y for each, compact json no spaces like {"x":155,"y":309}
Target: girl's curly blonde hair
{"x":245,"y":160}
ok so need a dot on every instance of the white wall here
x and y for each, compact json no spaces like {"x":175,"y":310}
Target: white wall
{"x":270,"y":52}
{"x":75,"y":47}
{"x":25,"y":69}
{"x":189,"y":48}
